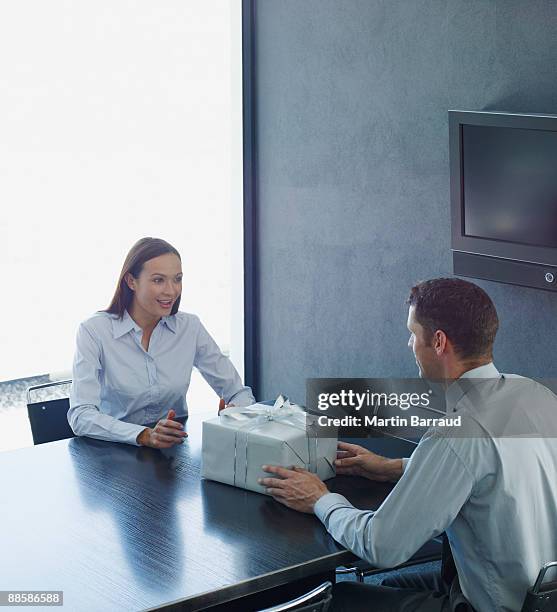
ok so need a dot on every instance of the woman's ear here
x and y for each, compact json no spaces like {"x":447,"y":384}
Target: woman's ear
{"x":130,"y":281}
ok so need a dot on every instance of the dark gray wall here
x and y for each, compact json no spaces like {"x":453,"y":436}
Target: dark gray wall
{"x":353,"y":179}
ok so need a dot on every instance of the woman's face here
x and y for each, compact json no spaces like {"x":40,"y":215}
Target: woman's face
{"x":158,"y":286}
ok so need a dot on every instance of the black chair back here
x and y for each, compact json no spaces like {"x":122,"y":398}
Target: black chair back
{"x":49,"y":419}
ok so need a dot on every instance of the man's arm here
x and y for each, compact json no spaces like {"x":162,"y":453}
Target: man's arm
{"x":425,"y":501}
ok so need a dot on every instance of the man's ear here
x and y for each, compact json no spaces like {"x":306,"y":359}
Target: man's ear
{"x":440,"y":342}
{"x":130,"y":281}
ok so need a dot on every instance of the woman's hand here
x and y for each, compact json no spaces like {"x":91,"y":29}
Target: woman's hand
{"x":165,"y":433}
{"x":354,"y":460}
{"x":223,"y":405}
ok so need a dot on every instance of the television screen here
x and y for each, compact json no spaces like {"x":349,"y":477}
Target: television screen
{"x":510,"y":184}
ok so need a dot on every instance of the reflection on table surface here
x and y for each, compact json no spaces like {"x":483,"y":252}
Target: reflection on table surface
{"x":123,"y":527}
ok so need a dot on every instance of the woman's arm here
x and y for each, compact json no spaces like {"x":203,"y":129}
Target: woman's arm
{"x":84,"y":416}
{"x":219,"y":372}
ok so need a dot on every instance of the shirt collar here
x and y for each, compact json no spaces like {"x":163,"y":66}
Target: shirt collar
{"x":170,"y":322}
{"x":460,"y":387}
{"x":121,"y":326}
{"x":485,"y":371}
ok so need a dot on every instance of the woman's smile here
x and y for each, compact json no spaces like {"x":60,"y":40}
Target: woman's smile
{"x":166,"y":304}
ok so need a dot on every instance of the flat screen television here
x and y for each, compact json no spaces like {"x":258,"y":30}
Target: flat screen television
{"x":503,"y":170}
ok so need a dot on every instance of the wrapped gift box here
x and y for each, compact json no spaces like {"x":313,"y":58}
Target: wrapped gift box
{"x":240,"y":440}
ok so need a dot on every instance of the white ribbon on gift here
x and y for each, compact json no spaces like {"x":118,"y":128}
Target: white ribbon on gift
{"x":257,"y":416}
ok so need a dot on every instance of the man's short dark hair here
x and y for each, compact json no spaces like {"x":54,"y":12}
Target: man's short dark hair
{"x":461,"y":309}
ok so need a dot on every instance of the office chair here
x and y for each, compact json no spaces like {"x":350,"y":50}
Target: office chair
{"x":541,"y":597}
{"x":317,"y":600}
{"x":49,"y":419}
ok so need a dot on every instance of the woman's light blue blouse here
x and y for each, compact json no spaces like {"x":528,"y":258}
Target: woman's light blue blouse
{"x":118,"y":387}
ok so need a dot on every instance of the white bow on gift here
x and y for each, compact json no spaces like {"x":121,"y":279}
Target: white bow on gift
{"x":282,"y":410}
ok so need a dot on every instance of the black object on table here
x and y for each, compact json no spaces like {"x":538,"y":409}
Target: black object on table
{"x":118,"y":527}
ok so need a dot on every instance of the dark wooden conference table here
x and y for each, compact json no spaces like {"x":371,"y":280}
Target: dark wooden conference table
{"x":118,"y":527}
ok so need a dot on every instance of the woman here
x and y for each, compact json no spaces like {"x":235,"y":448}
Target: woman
{"x":133,"y":361}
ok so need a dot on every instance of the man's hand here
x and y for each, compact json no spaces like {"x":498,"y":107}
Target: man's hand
{"x":354,"y":460}
{"x":165,"y":434}
{"x":296,"y":488}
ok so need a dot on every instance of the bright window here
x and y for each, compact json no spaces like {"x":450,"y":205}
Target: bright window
{"x":119,"y":120}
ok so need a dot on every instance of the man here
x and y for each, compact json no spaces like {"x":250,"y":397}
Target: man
{"x":492,"y":487}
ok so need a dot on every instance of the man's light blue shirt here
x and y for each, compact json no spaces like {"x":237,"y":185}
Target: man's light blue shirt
{"x":495,"y":496}
{"x":118,"y":387}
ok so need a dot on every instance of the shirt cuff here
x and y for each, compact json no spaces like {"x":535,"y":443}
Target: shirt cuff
{"x":405,"y":461}
{"x":327,"y":503}
{"x":121,"y":431}
{"x":134,"y":433}
{"x":242,"y":398}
